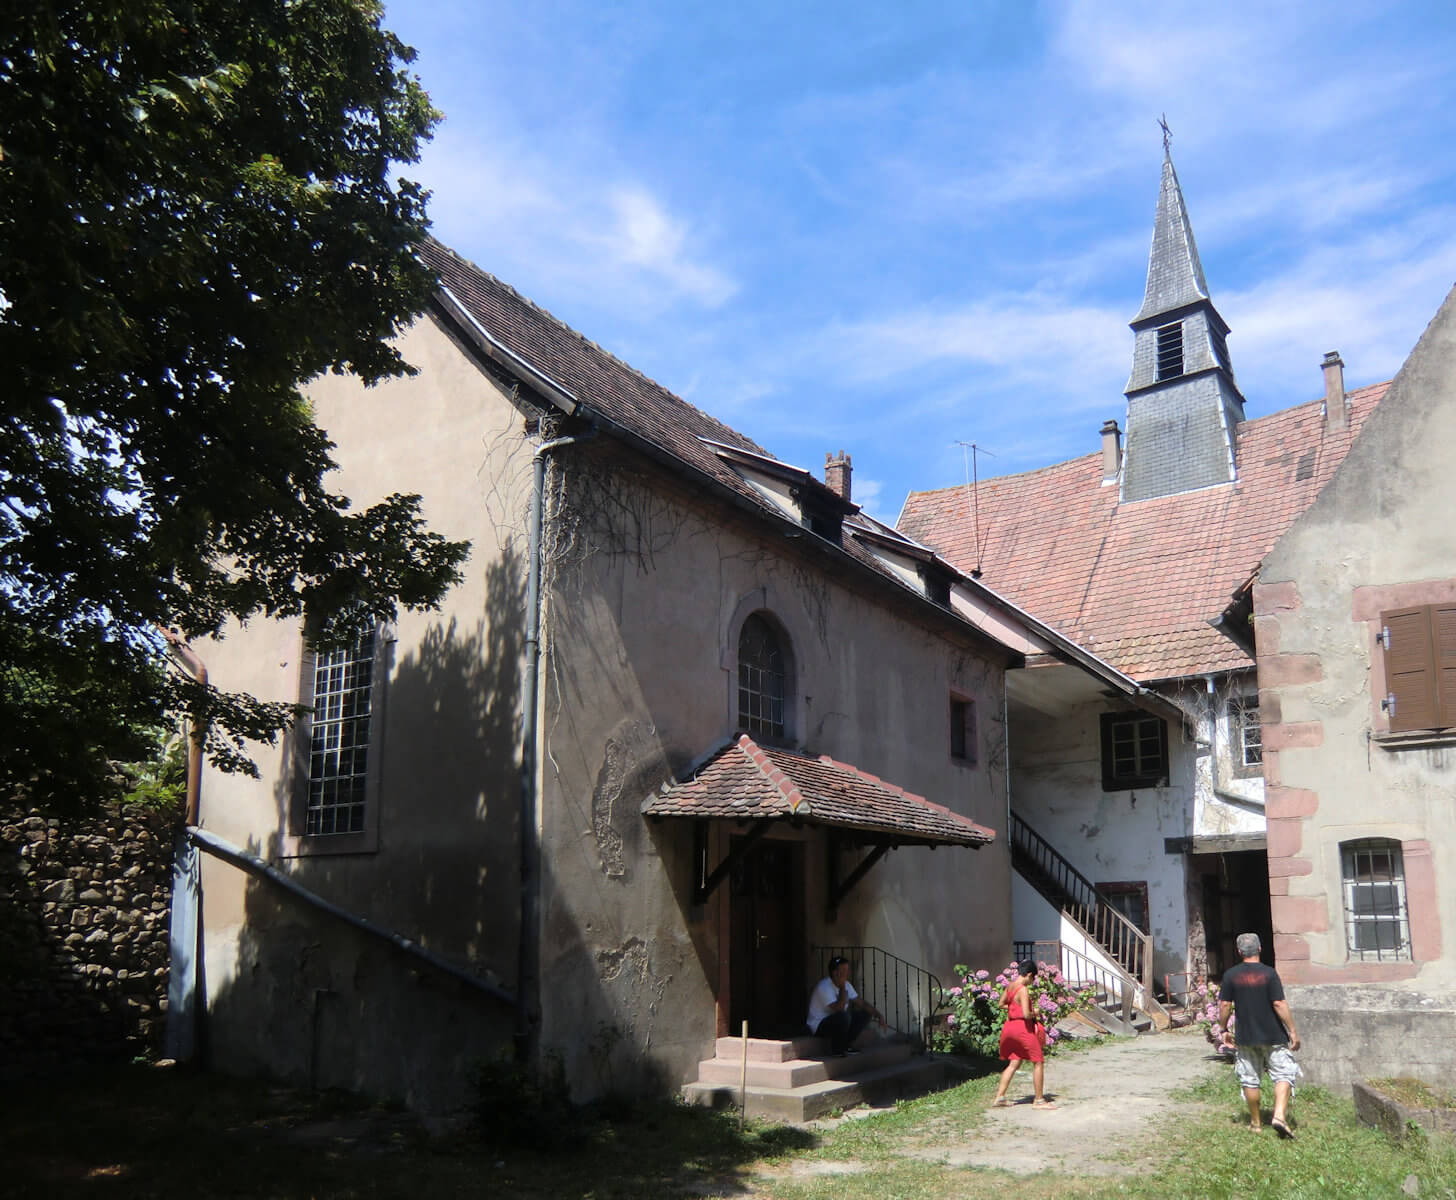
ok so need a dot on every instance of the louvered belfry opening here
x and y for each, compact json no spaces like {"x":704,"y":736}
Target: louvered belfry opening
{"x":1170,"y":351}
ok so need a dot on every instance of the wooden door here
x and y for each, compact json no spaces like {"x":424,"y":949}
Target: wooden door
{"x":766,"y":963}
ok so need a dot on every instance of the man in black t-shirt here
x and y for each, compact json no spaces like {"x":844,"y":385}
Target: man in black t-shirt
{"x":1265,"y":1032}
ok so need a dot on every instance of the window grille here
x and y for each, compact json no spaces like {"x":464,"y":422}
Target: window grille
{"x":1373,"y":877}
{"x":761,"y":678}
{"x":343,"y":684}
{"x":1170,"y":351}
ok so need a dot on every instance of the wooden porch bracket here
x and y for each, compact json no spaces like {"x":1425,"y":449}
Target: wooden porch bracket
{"x":837,"y":890}
{"x":708,"y":884}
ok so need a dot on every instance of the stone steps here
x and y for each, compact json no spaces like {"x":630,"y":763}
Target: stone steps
{"x":797,"y":1080}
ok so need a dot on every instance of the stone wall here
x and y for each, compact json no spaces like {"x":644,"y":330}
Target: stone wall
{"x":85,"y":905}
{"x":1352,"y":1032}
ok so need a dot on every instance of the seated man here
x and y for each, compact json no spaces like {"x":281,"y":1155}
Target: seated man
{"x":836,"y":1010}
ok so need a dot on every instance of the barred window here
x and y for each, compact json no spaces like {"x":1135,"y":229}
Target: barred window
{"x":761,"y":678}
{"x":1373,"y":877}
{"x":338,"y":763}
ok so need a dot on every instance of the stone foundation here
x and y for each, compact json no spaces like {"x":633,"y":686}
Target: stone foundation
{"x":85,"y":905}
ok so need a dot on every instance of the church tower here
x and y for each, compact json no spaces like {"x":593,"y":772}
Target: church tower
{"x":1183,"y":405}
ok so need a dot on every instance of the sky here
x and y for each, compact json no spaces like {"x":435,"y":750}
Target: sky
{"x":894,"y":229}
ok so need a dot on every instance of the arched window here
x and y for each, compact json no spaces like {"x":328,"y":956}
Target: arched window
{"x":1373,"y":879}
{"x":762,"y":676}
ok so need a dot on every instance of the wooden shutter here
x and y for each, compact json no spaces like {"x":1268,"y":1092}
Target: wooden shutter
{"x":1443,"y":633}
{"x":1410,"y":668}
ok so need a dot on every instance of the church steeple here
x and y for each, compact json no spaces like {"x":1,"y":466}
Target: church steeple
{"x":1183,"y":404}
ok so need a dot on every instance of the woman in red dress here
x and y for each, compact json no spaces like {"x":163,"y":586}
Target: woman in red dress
{"x":1022,"y":1038}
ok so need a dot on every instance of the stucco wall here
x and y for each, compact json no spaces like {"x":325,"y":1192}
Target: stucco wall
{"x":642,"y":681}
{"x":1352,"y":1033}
{"x":646,"y":584}
{"x":297,"y":995}
{"x":1380,"y":535}
{"x":1108,"y":836}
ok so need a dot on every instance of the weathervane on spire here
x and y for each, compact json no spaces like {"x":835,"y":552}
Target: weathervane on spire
{"x":1167,"y":133}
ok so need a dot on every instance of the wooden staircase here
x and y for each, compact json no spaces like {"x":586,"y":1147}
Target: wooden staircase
{"x":798,"y":1080}
{"x":1126,"y":980}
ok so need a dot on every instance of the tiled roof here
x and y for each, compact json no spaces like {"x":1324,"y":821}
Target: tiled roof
{"x":610,"y":387}
{"x":1137,"y":583}
{"x":746,"y":781}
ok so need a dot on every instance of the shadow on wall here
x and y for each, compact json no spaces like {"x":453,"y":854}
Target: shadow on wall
{"x":318,"y":1003}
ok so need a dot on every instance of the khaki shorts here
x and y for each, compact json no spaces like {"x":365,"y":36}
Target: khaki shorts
{"x":1250,"y":1062}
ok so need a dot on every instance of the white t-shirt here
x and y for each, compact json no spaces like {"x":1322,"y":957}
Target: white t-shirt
{"x":823,"y":995}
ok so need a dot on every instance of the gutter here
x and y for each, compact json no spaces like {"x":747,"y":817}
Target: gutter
{"x":1212,"y":744}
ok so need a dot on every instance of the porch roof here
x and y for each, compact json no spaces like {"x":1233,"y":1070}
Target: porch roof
{"x":745,"y":781}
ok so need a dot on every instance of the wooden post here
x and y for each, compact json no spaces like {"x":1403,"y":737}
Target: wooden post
{"x":743,"y":1081}
{"x":1127,"y":1004}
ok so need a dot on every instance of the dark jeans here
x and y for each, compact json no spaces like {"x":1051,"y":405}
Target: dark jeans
{"x":842,"y":1028}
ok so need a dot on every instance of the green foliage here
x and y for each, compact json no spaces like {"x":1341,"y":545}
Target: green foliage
{"x":977,"y":1014}
{"x":197,"y":216}
{"x":516,"y":1108}
{"x":159,"y":782}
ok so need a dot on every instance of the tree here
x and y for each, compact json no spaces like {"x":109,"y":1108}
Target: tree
{"x":197,"y":216}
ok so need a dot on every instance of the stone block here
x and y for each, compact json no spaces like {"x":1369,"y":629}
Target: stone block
{"x":1281,"y":670}
{"x":1295,"y":735}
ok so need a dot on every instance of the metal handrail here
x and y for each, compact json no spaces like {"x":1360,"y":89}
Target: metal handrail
{"x":907,"y":995}
{"x":1123,"y":942}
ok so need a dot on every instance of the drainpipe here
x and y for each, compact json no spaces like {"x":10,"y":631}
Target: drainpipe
{"x":185,"y":994}
{"x":528,"y":984}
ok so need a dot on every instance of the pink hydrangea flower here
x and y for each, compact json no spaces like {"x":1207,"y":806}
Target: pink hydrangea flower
{"x":955,"y":991}
{"x":983,"y":974}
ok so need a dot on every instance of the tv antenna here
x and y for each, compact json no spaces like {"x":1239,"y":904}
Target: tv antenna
{"x":969,"y":452}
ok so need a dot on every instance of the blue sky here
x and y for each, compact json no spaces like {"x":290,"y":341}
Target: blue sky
{"x":888,"y":229}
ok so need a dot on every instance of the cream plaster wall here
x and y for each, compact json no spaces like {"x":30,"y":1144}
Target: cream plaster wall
{"x":1108,"y":836}
{"x":1380,"y":534}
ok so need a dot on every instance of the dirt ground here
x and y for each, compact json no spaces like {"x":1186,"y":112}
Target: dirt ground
{"x":1110,"y":1102}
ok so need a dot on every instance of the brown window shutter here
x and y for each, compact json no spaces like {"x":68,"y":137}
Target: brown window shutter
{"x":1443,"y":621}
{"x":1410,"y":669}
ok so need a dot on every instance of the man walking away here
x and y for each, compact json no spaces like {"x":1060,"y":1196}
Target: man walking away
{"x":1265,"y":1033}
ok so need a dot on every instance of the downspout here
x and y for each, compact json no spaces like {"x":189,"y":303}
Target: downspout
{"x":184,"y":934}
{"x":528,"y":984}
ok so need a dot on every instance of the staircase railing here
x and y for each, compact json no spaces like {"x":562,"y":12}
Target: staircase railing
{"x":1072,"y":892}
{"x":908,"y":996}
{"x":1078,"y":968}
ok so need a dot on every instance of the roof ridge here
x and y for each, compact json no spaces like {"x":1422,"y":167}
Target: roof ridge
{"x":586,"y":341}
{"x":786,"y":787}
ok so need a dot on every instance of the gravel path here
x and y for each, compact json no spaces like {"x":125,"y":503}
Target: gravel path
{"x":1110,"y":1102}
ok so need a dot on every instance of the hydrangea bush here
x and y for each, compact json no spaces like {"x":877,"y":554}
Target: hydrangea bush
{"x":973,"y":1025}
{"x":1203,"y":1002}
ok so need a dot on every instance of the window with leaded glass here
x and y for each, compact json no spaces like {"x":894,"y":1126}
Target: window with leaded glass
{"x":762,"y":678}
{"x":338,"y":760}
{"x":1373,"y":878}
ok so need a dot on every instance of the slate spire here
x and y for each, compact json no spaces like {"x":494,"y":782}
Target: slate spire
{"x":1183,"y":404}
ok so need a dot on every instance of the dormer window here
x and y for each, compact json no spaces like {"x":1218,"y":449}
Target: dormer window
{"x":1170,"y":351}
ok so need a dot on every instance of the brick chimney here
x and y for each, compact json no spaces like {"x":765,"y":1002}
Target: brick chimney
{"x":836,"y":474}
{"x":1111,"y":451}
{"x":1337,"y":416}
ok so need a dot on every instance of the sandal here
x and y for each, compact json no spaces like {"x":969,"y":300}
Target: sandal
{"x":1043,"y":1104}
{"x":1001,"y":1102}
{"x":1282,"y":1130}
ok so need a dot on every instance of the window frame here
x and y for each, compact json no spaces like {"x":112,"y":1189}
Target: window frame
{"x":1128,"y":887}
{"x":1357,"y":920}
{"x":780,"y":732}
{"x":1170,"y":352}
{"x":1239,"y":728}
{"x":1112,"y":781}
{"x":298,"y":841}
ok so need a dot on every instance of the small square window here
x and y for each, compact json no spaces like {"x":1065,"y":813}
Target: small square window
{"x":1134,"y":751}
{"x":963,"y":730}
